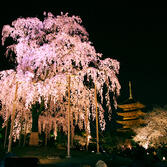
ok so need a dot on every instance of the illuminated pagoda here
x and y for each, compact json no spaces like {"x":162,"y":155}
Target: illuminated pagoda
{"x":130,"y":113}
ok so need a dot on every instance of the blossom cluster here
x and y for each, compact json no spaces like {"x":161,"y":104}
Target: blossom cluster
{"x":47,"y":52}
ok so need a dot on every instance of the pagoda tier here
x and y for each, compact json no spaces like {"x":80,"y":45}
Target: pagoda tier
{"x":130,"y":123}
{"x":131,"y":106}
{"x":130,"y":115}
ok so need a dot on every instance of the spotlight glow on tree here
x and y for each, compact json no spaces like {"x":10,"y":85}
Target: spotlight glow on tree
{"x":46,"y":53}
{"x":154,"y":133}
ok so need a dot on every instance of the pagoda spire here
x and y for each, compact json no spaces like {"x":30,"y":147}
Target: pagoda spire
{"x":130,"y":91}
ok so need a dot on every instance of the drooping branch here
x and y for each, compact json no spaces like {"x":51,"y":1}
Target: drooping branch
{"x":46,"y":52}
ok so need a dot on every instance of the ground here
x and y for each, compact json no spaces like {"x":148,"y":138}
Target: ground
{"x":52,"y":156}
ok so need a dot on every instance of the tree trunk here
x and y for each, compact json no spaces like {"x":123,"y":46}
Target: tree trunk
{"x":97,"y":126}
{"x":21,"y":129}
{"x":86,"y":124}
{"x":36,"y":109}
{"x":12,"y":119}
{"x":46,"y":136}
{"x":72,"y":131}
{"x":25,"y":133}
{"x":34,"y":139}
{"x":6,"y":133}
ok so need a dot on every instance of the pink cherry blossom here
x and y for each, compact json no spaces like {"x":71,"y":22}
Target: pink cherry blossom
{"x":46,"y":53}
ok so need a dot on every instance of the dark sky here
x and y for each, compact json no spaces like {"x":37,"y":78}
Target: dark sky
{"x":136,"y":37}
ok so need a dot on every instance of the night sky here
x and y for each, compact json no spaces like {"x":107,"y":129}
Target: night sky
{"x":136,"y":37}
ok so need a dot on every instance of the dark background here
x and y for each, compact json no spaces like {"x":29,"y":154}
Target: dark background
{"x":135,"y":36}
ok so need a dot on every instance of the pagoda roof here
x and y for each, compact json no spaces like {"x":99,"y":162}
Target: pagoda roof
{"x":130,"y":122}
{"x":130,"y":114}
{"x":131,"y":105}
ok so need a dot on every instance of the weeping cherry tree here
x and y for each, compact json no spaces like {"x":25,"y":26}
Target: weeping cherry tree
{"x":47,"y":53}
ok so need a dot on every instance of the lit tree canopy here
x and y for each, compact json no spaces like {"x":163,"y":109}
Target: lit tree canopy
{"x":154,"y":133}
{"x":47,"y":52}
